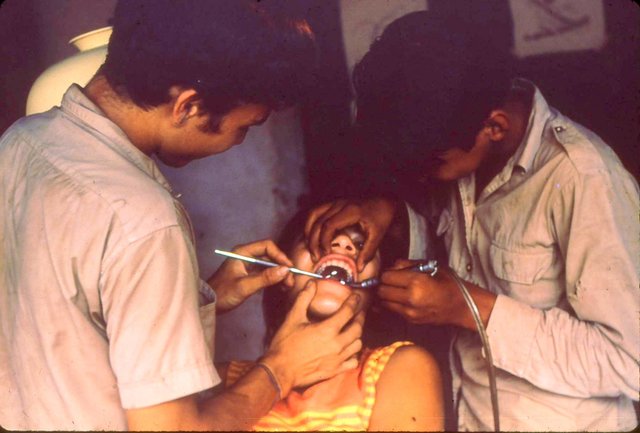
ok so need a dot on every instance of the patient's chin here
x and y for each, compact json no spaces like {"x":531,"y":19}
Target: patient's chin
{"x":328,"y":299}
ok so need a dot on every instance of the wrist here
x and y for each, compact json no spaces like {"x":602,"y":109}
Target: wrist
{"x":281,"y":377}
{"x":484,"y":301}
{"x":273,"y":380}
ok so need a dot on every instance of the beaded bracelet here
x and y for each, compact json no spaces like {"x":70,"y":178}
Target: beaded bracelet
{"x":272,"y":378}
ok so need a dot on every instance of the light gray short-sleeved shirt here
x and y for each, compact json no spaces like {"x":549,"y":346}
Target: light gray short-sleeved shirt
{"x":99,"y":281}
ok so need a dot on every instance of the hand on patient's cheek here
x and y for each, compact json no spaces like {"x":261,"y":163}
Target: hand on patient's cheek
{"x":302,"y":352}
{"x":373,"y":216}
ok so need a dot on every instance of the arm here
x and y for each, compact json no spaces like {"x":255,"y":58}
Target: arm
{"x":301,"y":353}
{"x":409,"y":393}
{"x":234,"y":409}
{"x":594,"y":352}
{"x":421,"y":298}
{"x":159,"y":355}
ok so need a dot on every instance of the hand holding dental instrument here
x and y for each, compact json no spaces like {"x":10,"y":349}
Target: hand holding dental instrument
{"x":430,"y":267}
{"x":264,"y":263}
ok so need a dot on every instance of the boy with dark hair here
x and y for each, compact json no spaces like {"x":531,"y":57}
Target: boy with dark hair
{"x":99,"y":286}
{"x":538,"y":217}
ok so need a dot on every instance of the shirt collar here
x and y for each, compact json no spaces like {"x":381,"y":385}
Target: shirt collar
{"x":540,"y":113}
{"x":76,"y":105}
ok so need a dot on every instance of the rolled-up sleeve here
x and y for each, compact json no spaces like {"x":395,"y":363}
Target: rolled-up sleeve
{"x":157,"y":344}
{"x":593,"y":350}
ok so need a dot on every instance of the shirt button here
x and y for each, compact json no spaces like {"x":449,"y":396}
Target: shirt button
{"x":469,"y":267}
{"x":559,"y":128}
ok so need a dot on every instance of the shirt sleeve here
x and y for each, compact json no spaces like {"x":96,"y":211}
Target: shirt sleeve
{"x":418,"y":234}
{"x":157,"y":345}
{"x":591,"y":350}
{"x":208,"y":315}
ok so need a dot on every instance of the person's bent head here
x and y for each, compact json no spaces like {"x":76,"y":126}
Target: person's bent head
{"x":232,"y":53}
{"x":338,"y":264}
{"x":423,"y":90}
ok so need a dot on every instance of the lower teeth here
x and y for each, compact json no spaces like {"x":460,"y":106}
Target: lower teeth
{"x":335,"y":273}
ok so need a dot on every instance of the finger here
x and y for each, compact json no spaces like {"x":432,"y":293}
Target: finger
{"x":264,"y":248}
{"x":401,"y":309}
{"x":351,"y":332}
{"x":399,"y":278}
{"x":403,"y":264}
{"x":298,"y":312}
{"x":350,"y":307}
{"x":313,"y":227}
{"x":347,"y":365}
{"x":289,"y":281}
{"x":319,"y":229}
{"x":359,"y":318}
{"x":313,"y":217}
{"x":346,"y":216}
{"x":270,"y":276}
{"x":394,"y":294}
{"x":352,"y":349}
{"x":371,"y":243}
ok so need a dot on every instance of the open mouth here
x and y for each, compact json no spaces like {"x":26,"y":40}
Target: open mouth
{"x":337,"y":267}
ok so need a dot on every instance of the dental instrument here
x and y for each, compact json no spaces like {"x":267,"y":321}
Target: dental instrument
{"x":429,"y":267}
{"x":264,"y":263}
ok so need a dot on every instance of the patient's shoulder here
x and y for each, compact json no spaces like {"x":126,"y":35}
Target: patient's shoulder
{"x":410,"y":360}
{"x":409,"y":392}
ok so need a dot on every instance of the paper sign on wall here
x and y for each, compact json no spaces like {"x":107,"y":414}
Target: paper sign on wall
{"x":550,"y":26}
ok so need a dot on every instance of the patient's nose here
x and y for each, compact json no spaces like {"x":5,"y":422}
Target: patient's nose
{"x":342,"y":244}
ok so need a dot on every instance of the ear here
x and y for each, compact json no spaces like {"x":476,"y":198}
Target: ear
{"x":186,"y":104}
{"x":497,"y":125}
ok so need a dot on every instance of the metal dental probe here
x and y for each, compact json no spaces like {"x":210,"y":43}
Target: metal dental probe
{"x":430,"y":267}
{"x":264,"y":263}
{"x":371,"y":282}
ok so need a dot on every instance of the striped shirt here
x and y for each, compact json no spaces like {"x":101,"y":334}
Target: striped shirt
{"x":344,"y":402}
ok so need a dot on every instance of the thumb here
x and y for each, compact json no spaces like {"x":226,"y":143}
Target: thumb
{"x":266,"y":278}
{"x":368,"y":252}
{"x":298,"y":312}
{"x":402,"y":264}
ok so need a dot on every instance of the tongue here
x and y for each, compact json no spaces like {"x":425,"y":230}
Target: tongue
{"x":335,"y":273}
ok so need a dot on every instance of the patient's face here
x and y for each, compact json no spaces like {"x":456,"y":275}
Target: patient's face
{"x":339,"y":262}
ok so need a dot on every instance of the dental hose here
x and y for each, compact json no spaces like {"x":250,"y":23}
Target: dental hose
{"x":431,"y":268}
{"x":487,"y":348}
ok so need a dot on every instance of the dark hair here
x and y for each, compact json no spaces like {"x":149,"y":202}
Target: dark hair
{"x":275,"y":300}
{"x":421,"y":88}
{"x":231,"y":52}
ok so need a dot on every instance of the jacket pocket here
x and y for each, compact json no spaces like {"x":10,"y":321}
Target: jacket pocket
{"x":522,"y":267}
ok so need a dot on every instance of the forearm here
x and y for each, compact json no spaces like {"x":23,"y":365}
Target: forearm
{"x":240,"y":406}
{"x":483,"y":300}
{"x":562,"y":353}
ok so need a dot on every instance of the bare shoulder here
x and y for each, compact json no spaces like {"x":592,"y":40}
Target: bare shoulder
{"x":409,"y":393}
{"x":411,"y":356}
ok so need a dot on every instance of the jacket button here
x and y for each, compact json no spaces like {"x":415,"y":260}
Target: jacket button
{"x":559,"y":128}
{"x":469,"y":267}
